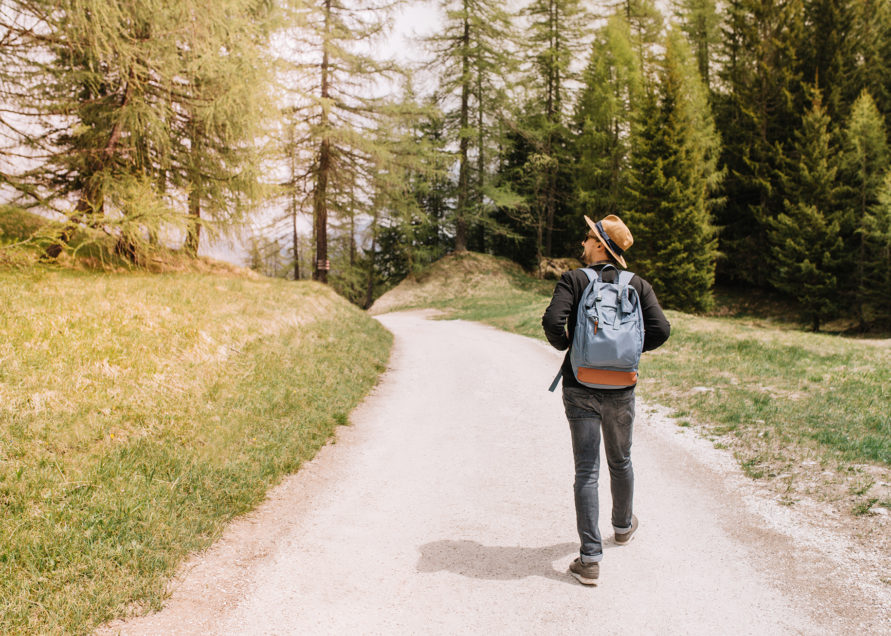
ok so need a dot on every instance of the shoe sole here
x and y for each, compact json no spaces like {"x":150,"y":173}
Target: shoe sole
{"x":583,"y":580}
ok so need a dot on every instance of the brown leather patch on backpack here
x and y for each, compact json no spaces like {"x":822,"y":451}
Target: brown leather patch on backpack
{"x":608,"y":378}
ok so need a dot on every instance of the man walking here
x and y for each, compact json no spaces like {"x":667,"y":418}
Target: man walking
{"x":590,"y":410}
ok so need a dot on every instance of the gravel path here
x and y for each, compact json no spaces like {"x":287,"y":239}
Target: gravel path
{"x":447,"y":508}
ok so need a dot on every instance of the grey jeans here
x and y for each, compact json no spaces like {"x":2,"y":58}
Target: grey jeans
{"x":589,"y":411}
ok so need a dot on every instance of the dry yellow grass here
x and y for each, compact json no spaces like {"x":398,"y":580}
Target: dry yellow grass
{"x":139,"y":412}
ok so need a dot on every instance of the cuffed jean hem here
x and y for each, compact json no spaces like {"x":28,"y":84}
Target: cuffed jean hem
{"x":591,"y":559}
{"x":621,"y":530}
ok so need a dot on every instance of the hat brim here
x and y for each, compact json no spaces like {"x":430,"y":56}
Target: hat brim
{"x":593,"y":226}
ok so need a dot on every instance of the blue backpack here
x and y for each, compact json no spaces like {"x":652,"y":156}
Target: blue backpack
{"x":609,"y":333}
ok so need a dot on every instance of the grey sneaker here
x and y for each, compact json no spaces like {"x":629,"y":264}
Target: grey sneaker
{"x":625,"y":537}
{"x":586,"y":573}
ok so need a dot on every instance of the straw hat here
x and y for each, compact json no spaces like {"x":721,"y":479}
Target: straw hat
{"x":614,"y":234}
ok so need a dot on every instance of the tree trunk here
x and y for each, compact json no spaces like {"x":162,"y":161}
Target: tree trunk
{"x":295,"y":237}
{"x":369,"y":287}
{"x":293,"y":165}
{"x":464,"y":167}
{"x":193,"y":237}
{"x":320,"y":196}
{"x":553,"y":118}
{"x":481,"y":158}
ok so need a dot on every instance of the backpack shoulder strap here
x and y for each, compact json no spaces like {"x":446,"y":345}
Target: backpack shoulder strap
{"x":590,"y":273}
{"x":624,"y":295}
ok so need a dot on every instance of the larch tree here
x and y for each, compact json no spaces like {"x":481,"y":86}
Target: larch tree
{"x":334,"y":101}
{"x":407,"y":207}
{"x":472,"y":55}
{"x":645,"y":20}
{"x":555,"y":35}
{"x":23,"y":135}
{"x":224,"y":113}
{"x":115,"y":90}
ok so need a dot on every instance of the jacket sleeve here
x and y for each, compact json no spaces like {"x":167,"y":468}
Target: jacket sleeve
{"x":656,"y":325}
{"x":554,"y":320}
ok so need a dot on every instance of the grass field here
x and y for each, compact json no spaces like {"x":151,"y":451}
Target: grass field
{"x":139,"y":413}
{"x":779,"y":397}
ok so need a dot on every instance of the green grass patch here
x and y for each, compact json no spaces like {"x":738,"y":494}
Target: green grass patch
{"x":783,"y":384}
{"x":139,"y":414}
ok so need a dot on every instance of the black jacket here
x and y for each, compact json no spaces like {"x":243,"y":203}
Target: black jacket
{"x":559,"y":318}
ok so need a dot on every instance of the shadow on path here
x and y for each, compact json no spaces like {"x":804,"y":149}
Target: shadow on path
{"x":478,"y":561}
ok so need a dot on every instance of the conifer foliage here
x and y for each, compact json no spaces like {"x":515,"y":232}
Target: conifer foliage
{"x":864,"y":163}
{"x":806,"y":237}
{"x":140,"y":103}
{"x":672,"y":184}
{"x":744,"y":142}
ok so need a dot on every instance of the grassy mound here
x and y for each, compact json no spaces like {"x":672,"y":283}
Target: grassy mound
{"x":140,"y":413}
{"x":462,"y":280}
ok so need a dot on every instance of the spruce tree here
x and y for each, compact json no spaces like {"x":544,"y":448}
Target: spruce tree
{"x":806,"y":242}
{"x":876,"y":289}
{"x":700,"y":22}
{"x":673,"y":181}
{"x":865,"y":160}
{"x":755,"y":115}
{"x":827,"y":53}
{"x":872,"y":33}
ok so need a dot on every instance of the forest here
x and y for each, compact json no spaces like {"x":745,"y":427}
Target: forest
{"x":744,"y":142}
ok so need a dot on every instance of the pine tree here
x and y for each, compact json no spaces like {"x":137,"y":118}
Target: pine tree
{"x":604,"y":113}
{"x":673,"y":180}
{"x":806,"y":241}
{"x":865,"y":160}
